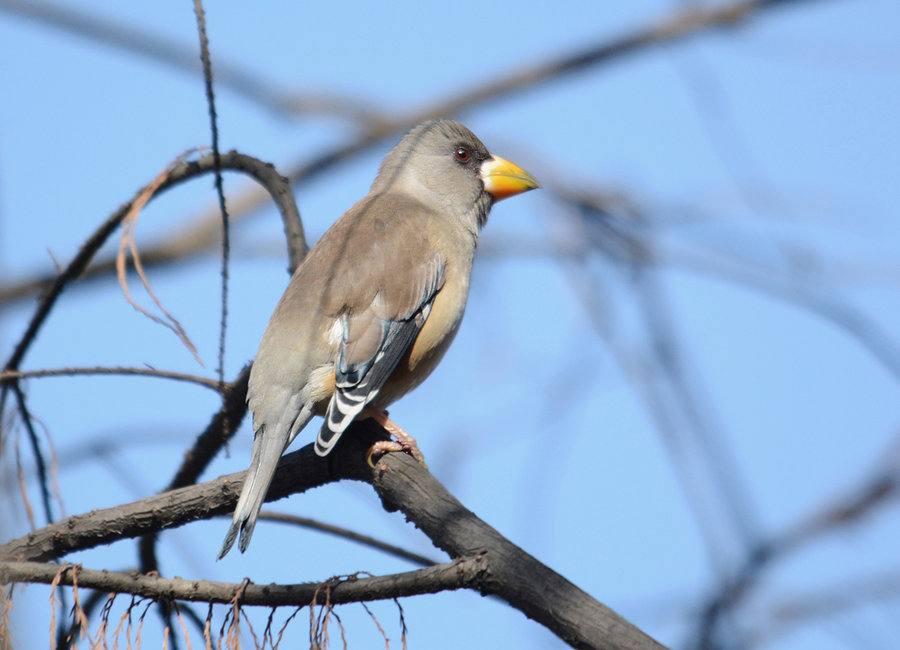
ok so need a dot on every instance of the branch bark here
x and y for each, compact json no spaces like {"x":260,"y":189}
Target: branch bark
{"x":487,"y":562}
{"x":345,"y":589}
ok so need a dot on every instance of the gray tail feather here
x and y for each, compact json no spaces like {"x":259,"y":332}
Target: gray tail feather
{"x":267,"y":450}
{"x":262,"y":469}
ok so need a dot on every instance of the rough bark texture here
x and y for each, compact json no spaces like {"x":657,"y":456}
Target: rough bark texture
{"x":511,"y":573}
{"x":483,"y":559}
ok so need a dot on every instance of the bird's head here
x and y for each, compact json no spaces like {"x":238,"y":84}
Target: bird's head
{"x":445,"y":166}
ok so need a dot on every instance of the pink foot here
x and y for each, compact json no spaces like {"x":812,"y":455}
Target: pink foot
{"x":405,"y":442}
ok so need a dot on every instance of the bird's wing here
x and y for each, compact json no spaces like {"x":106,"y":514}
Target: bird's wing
{"x":374,"y":340}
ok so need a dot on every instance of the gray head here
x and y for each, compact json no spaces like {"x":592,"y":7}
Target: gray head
{"x":444,"y":165}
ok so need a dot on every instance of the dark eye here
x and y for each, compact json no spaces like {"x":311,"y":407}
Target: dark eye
{"x":462,"y":154}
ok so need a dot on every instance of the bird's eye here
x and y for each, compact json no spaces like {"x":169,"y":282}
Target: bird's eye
{"x":462,"y":154}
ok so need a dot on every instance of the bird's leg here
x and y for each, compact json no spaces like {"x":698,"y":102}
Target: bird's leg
{"x":405,"y":442}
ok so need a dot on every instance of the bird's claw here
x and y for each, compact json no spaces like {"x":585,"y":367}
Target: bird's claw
{"x":382,"y":447}
{"x":405,"y":442}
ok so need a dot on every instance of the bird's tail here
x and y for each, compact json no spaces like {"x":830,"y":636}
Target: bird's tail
{"x":267,"y":450}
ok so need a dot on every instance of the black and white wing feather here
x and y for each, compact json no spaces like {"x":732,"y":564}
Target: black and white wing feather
{"x":372,"y":344}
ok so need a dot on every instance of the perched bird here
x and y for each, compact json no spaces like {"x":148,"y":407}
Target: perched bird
{"x":372,"y":308}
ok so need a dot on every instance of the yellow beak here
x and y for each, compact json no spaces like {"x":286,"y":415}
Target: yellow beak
{"x":503,"y":179}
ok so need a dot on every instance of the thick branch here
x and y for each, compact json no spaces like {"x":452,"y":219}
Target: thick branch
{"x":513,"y":575}
{"x":508,"y":572}
{"x":297,"y":472}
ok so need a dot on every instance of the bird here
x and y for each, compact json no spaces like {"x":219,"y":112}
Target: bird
{"x":370,"y":311}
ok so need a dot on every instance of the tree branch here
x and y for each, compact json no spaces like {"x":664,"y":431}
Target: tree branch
{"x":297,"y":472}
{"x":459,"y":574}
{"x":264,"y":173}
{"x":347,"y":534}
{"x":515,"y":576}
{"x":508,"y":572}
{"x":219,"y":430}
{"x":112,"y":370}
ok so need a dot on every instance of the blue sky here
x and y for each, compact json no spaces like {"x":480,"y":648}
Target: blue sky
{"x":769,"y":152}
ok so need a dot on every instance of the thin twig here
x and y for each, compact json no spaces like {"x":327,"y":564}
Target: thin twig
{"x":43,"y":475}
{"x":346,"y":533}
{"x":264,"y":173}
{"x":111,"y":370}
{"x":127,"y":242}
{"x":220,"y":191}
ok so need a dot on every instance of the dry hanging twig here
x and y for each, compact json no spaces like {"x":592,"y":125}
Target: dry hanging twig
{"x":129,"y":224}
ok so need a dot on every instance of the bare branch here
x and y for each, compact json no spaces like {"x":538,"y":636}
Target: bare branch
{"x":219,"y":430}
{"x":459,"y":574}
{"x":514,"y":576}
{"x":111,"y":370}
{"x":264,"y":173}
{"x":297,"y":472}
{"x":346,"y":533}
{"x":402,"y":483}
{"x":220,"y":190}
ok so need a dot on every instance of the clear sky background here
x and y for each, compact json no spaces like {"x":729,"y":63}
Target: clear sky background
{"x":761,"y":163}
